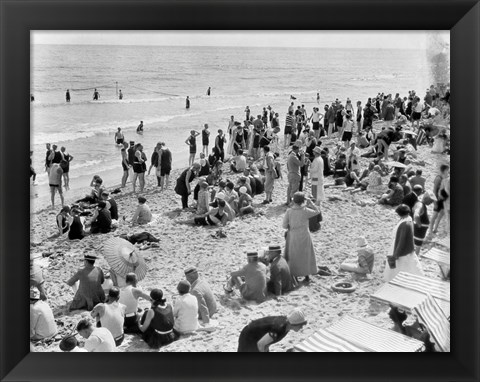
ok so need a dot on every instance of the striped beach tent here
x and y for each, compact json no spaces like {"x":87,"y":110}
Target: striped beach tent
{"x":430,"y":315}
{"x":445,"y":242}
{"x":324,"y":341}
{"x":437,"y":288}
{"x":437,"y":255}
{"x":404,"y":299}
{"x":373,"y":338}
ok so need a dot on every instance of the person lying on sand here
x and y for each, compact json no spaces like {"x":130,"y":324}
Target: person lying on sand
{"x":259,"y":334}
{"x":215,"y":217}
{"x":251,"y":280}
{"x":365,"y":258}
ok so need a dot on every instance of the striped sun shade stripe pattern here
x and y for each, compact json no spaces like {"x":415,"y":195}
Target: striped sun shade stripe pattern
{"x":324,"y":341}
{"x":437,"y":288}
{"x":373,"y":338}
{"x":437,"y":255}
{"x":430,"y":314}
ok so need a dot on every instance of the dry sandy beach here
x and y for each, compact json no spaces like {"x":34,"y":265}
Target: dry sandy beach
{"x":345,"y":218}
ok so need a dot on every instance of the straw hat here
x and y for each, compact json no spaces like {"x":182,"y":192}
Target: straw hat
{"x":124,"y":258}
{"x":190,"y":270}
{"x":361,"y":242}
{"x":317,"y":150}
{"x":296,"y":317}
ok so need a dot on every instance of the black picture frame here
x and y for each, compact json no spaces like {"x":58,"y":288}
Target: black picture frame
{"x":18,"y":17}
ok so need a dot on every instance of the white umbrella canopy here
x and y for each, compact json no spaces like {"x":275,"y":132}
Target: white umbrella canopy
{"x":124,"y":258}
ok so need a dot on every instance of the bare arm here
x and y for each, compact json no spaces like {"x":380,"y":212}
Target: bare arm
{"x":148,"y":320}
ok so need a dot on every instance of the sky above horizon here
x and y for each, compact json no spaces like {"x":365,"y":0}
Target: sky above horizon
{"x":301,"y":39}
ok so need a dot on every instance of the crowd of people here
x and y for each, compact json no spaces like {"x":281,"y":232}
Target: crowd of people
{"x":246,"y":163}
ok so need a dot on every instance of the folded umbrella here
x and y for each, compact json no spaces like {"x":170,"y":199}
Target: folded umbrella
{"x":123,"y":257}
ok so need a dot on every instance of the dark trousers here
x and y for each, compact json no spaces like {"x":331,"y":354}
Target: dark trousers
{"x":185,"y":200}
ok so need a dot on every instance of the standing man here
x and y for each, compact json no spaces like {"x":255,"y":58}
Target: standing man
{"x":247,"y":113}
{"x":259,"y":334}
{"x":55,"y":182}
{"x":269,"y":174}
{"x":205,"y":138}
{"x":207,"y":306}
{"x":315,"y":118}
{"x":67,"y":95}
{"x":331,"y":119}
{"x":48,"y":161}
{"x":120,"y":95}
{"x":131,"y":153}
{"x":316,"y":172}
{"x":281,"y":280}
{"x":296,"y":159}
{"x":220,"y":141}
{"x":208,"y":91}
{"x":289,"y":124}
{"x":187,"y":103}
{"x":140,"y":128}
{"x":96,"y":95}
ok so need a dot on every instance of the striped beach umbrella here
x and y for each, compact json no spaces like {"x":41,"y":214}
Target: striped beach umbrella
{"x":324,"y":341}
{"x":123,"y":257}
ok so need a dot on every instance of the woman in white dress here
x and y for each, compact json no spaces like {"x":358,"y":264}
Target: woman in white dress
{"x":316,"y":172}
{"x":401,"y":256}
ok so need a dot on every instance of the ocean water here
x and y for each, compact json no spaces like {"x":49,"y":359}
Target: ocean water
{"x":155,"y":81}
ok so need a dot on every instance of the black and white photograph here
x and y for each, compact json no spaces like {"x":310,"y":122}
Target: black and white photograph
{"x":239,"y":191}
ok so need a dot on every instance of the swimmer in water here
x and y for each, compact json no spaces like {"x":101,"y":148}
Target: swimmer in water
{"x":119,"y":138}
{"x":140,"y":128}
{"x":187,"y":103}
{"x":120,"y":94}
{"x":67,"y":96}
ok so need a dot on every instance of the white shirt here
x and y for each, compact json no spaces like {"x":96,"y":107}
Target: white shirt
{"x":185,"y":312}
{"x":101,"y":340}
{"x":42,"y":322}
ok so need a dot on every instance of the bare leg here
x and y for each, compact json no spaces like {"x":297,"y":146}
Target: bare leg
{"x":124,"y":178}
{"x":142,"y":181}
{"x":52,"y":195}
{"x":134,"y":180}
{"x":167,"y":180}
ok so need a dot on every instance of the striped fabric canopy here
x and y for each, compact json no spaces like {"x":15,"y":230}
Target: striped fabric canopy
{"x":438,"y":289}
{"x":324,"y":341}
{"x":373,"y":338}
{"x":445,"y":242}
{"x":437,"y":255}
{"x":430,"y":314}
{"x":405,"y":299}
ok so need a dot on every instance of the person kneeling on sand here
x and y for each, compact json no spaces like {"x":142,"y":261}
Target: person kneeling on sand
{"x":129,"y":296}
{"x":365,"y":259}
{"x":142,"y":214}
{"x":259,"y":334}
{"x":251,"y":280}
{"x":185,"y":310}
{"x":216,"y":216}
{"x":239,"y":162}
{"x":281,"y":280}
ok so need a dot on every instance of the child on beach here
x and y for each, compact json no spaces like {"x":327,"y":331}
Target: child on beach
{"x":365,"y":259}
{"x":203,"y":199}
{"x":192,"y":143}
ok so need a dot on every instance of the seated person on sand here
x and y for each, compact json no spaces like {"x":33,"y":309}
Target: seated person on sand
{"x":203,"y":199}
{"x":157,"y":322}
{"x":362,"y":141}
{"x":242,"y":182}
{"x":394,"y":197}
{"x":77,"y":227}
{"x":42,"y":322}
{"x":403,"y":181}
{"x":207,"y":305}
{"x":69,"y":343}
{"x":64,"y":220}
{"x":281,"y":280}
{"x":111,"y":204}
{"x":400,"y":120}
{"x":142,"y":214}
{"x":129,"y":296}
{"x":89,"y":291}
{"x":363,"y":264}
{"x":239,"y":162}
{"x":101,"y":221}
{"x":98,"y":340}
{"x":417,"y":179}
{"x":111,"y":315}
{"x":94,"y":196}
{"x":244,"y":202}
{"x":185,"y":310}
{"x":374,"y":181}
{"x":217,"y":171}
{"x":259,"y":180}
{"x":259,"y":334}
{"x":36,"y":277}
{"x":231,"y":196}
{"x":251,"y":280}
{"x":357,"y":182}
{"x":340,"y":167}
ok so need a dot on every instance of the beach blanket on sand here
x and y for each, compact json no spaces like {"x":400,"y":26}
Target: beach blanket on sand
{"x":140,"y":238}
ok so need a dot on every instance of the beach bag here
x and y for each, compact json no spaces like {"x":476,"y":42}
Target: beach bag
{"x":314,"y":222}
